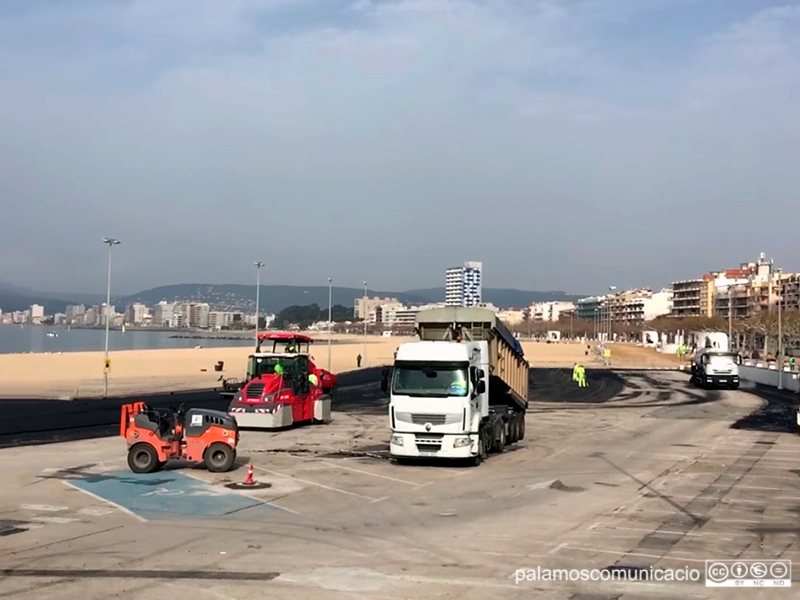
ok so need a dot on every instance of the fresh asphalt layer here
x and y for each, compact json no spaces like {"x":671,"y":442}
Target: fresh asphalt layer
{"x":638,"y":470}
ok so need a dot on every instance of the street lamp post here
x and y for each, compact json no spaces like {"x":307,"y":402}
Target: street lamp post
{"x":365,"y":315}
{"x":611,"y":289}
{"x":106,"y":364}
{"x":330,"y":319}
{"x":780,"y":333}
{"x":730,"y":317}
{"x":258,"y":265}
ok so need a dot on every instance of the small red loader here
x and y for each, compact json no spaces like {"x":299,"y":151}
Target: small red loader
{"x":158,"y":435}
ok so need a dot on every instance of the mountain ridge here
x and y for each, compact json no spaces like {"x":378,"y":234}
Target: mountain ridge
{"x":273,"y":298}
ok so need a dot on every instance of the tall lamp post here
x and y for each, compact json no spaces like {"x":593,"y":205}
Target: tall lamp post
{"x":258,"y":265}
{"x":730,"y":317}
{"x":365,"y":315}
{"x":107,"y":364}
{"x":330,"y":319}
{"x":611,"y":289}
{"x":780,"y":331}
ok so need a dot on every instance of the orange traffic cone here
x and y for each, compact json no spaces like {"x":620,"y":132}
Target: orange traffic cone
{"x":249,"y":479}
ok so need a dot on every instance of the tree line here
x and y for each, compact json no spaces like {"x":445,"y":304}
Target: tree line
{"x":305,"y":315}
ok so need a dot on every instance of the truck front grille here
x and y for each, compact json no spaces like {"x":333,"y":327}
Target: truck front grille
{"x":422,"y":419}
{"x":254,"y":391}
{"x":429,"y":447}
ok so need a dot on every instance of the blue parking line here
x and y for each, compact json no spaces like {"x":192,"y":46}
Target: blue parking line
{"x":165,"y":494}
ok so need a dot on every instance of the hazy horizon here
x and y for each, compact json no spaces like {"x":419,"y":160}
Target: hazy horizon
{"x":569,"y":145}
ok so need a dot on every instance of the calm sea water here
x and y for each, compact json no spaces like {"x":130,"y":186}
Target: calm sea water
{"x":14,"y":338}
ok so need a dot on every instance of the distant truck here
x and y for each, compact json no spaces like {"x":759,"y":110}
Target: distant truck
{"x":460,"y":392}
{"x":716,"y":368}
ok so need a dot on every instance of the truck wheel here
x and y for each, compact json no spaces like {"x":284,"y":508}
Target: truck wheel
{"x":513,"y":429}
{"x":500,"y":440}
{"x":143,"y":458}
{"x":219,"y":457}
{"x":521,"y":426}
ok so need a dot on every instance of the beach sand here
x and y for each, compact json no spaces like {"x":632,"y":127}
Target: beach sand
{"x":80,"y":374}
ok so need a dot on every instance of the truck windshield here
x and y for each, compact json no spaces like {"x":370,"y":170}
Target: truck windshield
{"x":720,"y":359}
{"x":438,"y":381}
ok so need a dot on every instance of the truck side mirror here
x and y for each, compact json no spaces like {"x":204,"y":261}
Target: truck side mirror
{"x":481,"y":386}
{"x":480,"y":373}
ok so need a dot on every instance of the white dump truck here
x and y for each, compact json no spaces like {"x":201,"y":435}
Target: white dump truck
{"x":716,"y":368}
{"x":461,"y":391}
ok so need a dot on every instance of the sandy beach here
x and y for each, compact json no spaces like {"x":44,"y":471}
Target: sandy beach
{"x":73,"y":374}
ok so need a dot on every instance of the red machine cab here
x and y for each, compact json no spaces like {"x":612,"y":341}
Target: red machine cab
{"x":283,"y":385}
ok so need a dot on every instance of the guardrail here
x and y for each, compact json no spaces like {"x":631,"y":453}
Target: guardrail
{"x":768,"y":374}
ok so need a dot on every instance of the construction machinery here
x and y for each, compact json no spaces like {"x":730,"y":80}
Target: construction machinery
{"x":158,"y":435}
{"x":460,"y":392}
{"x":283,"y":386}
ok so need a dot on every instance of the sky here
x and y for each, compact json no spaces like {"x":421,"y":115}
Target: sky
{"x":567,"y":144}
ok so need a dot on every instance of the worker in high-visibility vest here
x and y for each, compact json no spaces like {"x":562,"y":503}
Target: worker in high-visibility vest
{"x":582,"y":376}
{"x":313,"y":380}
{"x":575,"y":373}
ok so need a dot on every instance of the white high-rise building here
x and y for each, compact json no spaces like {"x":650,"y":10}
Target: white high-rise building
{"x":463,"y":285}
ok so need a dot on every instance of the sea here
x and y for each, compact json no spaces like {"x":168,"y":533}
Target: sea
{"x":35,"y":338}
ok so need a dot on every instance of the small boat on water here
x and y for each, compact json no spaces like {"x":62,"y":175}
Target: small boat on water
{"x":51,"y":334}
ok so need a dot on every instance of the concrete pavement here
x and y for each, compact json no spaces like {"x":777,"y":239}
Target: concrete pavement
{"x":642,"y":470}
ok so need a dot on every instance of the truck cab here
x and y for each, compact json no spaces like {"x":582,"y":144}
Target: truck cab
{"x":715,"y":368}
{"x":437,"y":400}
{"x":283,"y":386}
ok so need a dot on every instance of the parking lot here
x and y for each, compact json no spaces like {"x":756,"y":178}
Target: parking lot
{"x":651,"y":473}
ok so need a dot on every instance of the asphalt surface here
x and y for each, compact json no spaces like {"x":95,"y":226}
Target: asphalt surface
{"x":638,"y":470}
{"x":37,"y":421}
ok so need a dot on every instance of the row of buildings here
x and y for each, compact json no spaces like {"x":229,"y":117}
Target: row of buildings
{"x":741,"y":292}
{"x":738,"y":293}
{"x":164,"y":315}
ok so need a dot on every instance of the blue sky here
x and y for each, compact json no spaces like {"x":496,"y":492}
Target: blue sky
{"x":568,"y":144}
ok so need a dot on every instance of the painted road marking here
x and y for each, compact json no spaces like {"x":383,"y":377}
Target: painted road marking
{"x":339,"y":466}
{"x":325,"y":487}
{"x":107,"y":501}
{"x":246,"y":495}
{"x":163,"y":494}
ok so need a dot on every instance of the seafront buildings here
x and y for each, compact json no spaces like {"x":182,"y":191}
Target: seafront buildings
{"x":744,"y":291}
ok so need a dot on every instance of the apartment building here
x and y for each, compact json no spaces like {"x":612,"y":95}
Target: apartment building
{"x":136,"y":313}
{"x":364,"y":307}
{"x":463,"y":286}
{"x":788,"y":291}
{"x":591,"y":307}
{"x":511,"y":316}
{"x":164,"y":314}
{"x":549,"y":311}
{"x":634,"y":307}
{"x":690,"y":298}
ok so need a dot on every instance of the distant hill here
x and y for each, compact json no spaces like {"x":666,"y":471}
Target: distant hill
{"x":274,"y":298}
{"x":18,"y":298}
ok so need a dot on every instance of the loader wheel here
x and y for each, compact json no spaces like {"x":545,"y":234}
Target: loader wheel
{"x":521,"y":430}
{"x":142,"y":458}
{"x":219,"y":457}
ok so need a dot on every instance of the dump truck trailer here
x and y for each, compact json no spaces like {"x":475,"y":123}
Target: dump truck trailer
{"x":459,"y":392}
